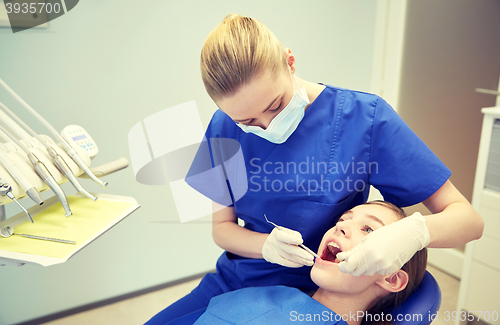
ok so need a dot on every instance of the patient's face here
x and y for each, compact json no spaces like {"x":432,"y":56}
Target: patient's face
{"x":351,"y":228}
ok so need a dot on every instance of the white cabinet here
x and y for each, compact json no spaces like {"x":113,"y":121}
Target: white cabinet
{"x":480,"y":283}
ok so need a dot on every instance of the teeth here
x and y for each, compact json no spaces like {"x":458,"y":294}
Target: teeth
{"x":333,"y":244}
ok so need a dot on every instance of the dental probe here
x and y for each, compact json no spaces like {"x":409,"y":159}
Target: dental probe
{"x":60,"y":162}
{"x":300,"y":245}
{"x":6,"y":189}
{"x":309,"y":251}
{"x":19,"y":177}
{"x":71,"y":152}
{"x":42,"y":171}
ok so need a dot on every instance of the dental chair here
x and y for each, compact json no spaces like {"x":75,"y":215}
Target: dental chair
{"x":419,"y":309}
{"x":422,"y":306}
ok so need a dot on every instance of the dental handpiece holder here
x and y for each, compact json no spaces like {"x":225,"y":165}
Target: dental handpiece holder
{"x":86,"y":149}
{"x":23,"y":163}
{"x":31,"y":163}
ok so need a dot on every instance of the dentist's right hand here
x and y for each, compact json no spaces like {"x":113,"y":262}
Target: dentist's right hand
{"x":281,"y":248}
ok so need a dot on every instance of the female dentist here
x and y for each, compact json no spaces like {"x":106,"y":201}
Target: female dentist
{"x":311,"y":151}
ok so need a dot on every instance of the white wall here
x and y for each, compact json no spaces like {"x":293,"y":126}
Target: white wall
{"x":106,"y":65}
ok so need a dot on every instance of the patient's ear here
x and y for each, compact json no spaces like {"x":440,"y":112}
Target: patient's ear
{"x":394,"y":282}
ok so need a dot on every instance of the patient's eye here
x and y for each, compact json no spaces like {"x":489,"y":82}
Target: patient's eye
{"x":367,"y":229}
{"x":341,"y":219}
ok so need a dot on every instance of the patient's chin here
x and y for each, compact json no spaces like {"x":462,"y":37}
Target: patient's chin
{"x":333,"y":280}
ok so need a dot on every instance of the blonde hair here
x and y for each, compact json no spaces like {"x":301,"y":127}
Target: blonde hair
{"x":239,"y":49}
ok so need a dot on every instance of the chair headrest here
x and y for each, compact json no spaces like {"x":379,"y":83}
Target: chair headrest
{"x":422,"y":306}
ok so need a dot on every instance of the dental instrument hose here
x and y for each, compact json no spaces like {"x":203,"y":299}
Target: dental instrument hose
{"x":6,"y":189}
{"x":60,"y":162}
{"x":71,"y":152}
{"x":19,"y":177}
{"x":42,"y":171}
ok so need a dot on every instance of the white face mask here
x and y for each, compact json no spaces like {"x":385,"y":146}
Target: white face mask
{"x":285,"y":123}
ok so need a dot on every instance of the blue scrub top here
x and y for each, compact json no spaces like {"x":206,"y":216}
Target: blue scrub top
{"x":347,"y":141}
{"x":268,"y":305}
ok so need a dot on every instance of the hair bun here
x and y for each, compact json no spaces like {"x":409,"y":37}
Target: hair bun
{"x":236,"y":51}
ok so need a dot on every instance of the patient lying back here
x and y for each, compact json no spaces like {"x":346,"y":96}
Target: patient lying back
{"x":341,"y":297}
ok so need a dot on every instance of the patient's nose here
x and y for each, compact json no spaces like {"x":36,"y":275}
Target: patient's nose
{"x":343,"y":228}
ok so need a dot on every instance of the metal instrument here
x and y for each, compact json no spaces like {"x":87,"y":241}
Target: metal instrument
{"x":300,"y":245}
{"x":6,"y":189}
{"x":8,"y":231}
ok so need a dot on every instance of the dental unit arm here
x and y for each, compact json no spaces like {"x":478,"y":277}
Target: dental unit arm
{"x":19,"y":158}
{"x":21,"y":161}
{"x":60,"y":162}
{"x":29,"y":169}
{"x":69,"y":149}
{"x":31,"y":163}
{"x":41,"y":170}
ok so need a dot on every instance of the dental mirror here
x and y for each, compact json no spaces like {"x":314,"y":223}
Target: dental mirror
{"x":7,"y":231}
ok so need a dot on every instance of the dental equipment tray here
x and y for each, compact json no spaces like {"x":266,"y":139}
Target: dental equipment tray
{"x":89,"y":221}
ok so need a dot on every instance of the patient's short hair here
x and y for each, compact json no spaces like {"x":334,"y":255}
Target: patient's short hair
{"x":400,"y":212}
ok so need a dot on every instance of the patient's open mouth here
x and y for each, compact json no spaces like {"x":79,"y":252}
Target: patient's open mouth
{"x":330,"y":252}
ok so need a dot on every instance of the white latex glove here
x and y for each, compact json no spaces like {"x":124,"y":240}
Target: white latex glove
{"x":386,"y":249}
{"x":281,"y":248}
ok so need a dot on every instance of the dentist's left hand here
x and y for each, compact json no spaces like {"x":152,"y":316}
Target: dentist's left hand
{"x":281,"y":248}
